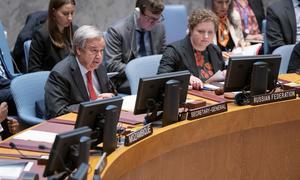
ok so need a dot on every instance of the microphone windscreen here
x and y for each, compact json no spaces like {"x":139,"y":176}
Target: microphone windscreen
{"x":12,"y":145}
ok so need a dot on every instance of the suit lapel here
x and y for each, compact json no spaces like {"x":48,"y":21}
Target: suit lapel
{"x":99,"y":73}
{"x":290,"y":12}
{"x":77,"y":78}
{"x":153,"y":40}
{"x":189,"y":58}
{"x":212,"y":58}
{"x":131,"y":36}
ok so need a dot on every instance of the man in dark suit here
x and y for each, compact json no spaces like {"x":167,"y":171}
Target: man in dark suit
{"x":139,"y":34}
{"x":5,"y":93}
{"x":79,"y":77}
{"x":8,"y":125}
{"x":294,"y":63}
{"x":7,"y":104}
{"x":281,"y":24}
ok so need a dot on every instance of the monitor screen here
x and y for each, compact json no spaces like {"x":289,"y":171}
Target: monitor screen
{"x":151,"y":91}
{"x":102,"y":117}
{"x":65,"y":152}
{"x":239,"y":72}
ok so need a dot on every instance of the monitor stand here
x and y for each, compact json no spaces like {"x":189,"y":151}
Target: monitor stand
{"x":106,"y":131}
{"x":171,"y":102}
{"x":79,"y":153}
{"x":259,"y":78}
{"x":110,"y":140}
{"x":170,"y":106}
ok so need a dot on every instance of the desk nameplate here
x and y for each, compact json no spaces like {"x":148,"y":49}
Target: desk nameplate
{"x":273,"y":97}
{"x":207,"y":111}
{"x":138,"y":135}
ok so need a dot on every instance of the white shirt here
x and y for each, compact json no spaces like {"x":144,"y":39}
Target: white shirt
{"x":297,"y":16}
{"x":96,"y":84}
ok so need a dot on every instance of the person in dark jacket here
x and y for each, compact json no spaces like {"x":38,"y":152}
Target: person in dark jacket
{"x":52,"y":42}
{"x":282,"y":24}
{"x":195,"y":52}
{"x":294,"y":63}
{"x":34,"y":21}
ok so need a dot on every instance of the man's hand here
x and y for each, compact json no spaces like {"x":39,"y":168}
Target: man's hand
{"x":196,"y":82}
{"x":13,"y":125}
{"x":3,"y":111}
{"x":105,"y":95}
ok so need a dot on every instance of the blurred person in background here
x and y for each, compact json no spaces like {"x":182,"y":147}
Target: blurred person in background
{"x":53,"y":41}
{"x":140,"y":34}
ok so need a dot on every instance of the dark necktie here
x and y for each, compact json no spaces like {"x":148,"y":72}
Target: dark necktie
{"x":90,"y":86}
{"x":142,"y":50}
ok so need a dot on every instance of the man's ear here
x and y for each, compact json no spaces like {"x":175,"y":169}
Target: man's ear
{"x":77,"y":51}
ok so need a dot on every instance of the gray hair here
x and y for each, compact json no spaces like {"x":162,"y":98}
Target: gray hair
{"x":83,"y":33}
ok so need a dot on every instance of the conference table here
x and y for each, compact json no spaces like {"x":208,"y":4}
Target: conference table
{"x":245,"y":142}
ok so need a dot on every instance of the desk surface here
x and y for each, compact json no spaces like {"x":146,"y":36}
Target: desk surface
{"x":247,"y":142}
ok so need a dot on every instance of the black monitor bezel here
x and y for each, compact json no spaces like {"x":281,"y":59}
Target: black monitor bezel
{"x":237,"y":79}
{"x":60,"y":149}
{"x":157,"y":83}
{"x":85,"y":110}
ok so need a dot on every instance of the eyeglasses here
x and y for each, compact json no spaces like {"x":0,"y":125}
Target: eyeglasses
{"x":94,"y":51}
{"x":154,"y":19}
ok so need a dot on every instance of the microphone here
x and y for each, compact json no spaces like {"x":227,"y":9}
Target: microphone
{"x":23,"y":156}
{"x":40,"y":160}
{"x":100,"y":166}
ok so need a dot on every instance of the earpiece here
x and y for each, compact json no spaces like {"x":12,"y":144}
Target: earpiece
{"x":137,"y":12}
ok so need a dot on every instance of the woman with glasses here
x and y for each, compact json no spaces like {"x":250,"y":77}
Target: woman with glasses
{"x":196,"y":52}
{"x":139,"y":34}
{"x":53,"y":42}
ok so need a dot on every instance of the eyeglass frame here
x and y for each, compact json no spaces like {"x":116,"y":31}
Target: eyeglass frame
{"x":153,"y":19}
{"x":93,"y":51}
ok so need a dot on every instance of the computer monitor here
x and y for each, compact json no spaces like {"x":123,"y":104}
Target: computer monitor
{"x":163,"y":92}
{"x":69,"y":150}
{"x":102,"y":117}
{"x":255,"y":73}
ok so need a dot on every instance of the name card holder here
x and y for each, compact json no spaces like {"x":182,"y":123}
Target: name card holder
{"x":138,"y":135}
{"x":273,"y":97}
{"x":207,"y":111}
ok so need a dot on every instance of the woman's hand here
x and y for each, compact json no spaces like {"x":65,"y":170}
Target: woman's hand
{"x":226,"y":55}
{"x":258,"y":37}
{"x":196,"y":83}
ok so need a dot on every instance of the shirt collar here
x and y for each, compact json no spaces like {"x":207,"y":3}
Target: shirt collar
{"x":295,"y":3}
{"x":83,"y":70}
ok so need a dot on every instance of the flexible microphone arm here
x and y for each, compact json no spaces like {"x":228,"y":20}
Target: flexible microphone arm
{"x":23,"y":156}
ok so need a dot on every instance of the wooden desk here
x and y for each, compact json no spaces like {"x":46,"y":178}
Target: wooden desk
{"x":261,"y":142}
{"x":247,"y":142}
